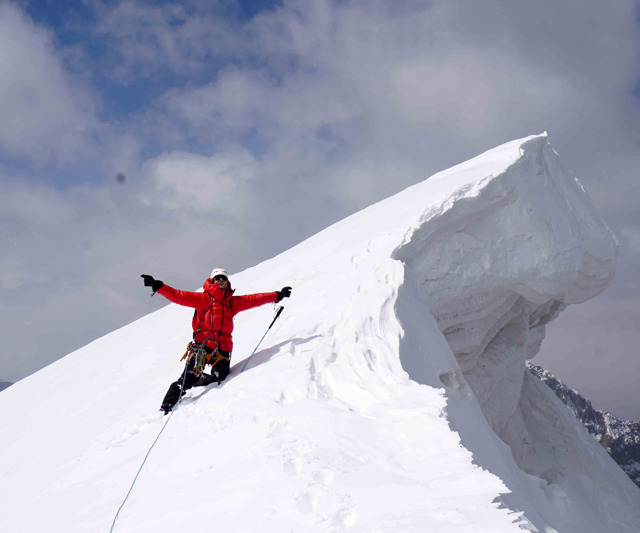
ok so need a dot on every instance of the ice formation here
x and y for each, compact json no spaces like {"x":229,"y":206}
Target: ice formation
{"x":495,"y":264}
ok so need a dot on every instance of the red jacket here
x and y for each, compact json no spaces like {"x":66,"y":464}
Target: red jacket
{"x":215,"y":310}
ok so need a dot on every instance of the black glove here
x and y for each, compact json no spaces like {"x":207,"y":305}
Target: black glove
{"x":285,"y":292}
{"x":155,"y":284}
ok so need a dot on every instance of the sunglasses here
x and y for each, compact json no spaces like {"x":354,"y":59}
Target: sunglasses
{"x":220,"y":277}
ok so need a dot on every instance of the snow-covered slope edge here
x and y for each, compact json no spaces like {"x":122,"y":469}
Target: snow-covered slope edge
{"x":343,"y":421}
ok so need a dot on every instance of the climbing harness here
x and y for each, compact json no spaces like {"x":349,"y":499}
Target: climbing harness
{"x":218,"y":357}
{"x":202,"y":357}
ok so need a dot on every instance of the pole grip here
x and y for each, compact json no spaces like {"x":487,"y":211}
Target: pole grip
{"x":280,"y":309}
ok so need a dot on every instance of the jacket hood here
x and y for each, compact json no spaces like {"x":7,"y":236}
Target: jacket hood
{"x":218,"y":294}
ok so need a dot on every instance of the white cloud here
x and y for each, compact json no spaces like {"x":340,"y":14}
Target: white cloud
{"x":421,"y":86}
{"x":13,"y":276}
{"x":43,"y":114}
{"x":220,"y":185}
{"x":238,"y":101}
{"x":184,"y":37}
{"x":472,"y":93}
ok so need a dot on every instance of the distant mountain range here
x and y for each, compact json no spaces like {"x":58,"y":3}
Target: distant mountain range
{"x":4,"y":385}
{"x":621,"y":438}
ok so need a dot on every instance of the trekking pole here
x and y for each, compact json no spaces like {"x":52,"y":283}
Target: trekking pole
{"x":280,"y":309}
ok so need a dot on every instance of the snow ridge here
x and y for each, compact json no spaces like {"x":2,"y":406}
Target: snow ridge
{"x":390,"y":396}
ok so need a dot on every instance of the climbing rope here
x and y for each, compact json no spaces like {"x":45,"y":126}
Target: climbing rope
{"x":184,"y":377}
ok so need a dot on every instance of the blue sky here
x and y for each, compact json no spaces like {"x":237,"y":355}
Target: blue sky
{"x":94,"y":54}
{"x":244,"y":127}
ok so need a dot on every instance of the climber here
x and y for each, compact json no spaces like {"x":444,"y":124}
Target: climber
{"x":212,"y":327}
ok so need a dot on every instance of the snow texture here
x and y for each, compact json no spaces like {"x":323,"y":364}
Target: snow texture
{"x":390,"y":396}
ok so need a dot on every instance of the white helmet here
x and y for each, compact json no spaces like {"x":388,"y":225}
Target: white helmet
{"x":218,"y":272}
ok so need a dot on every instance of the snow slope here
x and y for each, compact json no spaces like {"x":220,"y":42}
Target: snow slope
{"x":390,"y":396}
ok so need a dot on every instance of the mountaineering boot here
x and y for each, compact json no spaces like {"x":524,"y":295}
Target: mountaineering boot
{"x":207,"y":379}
